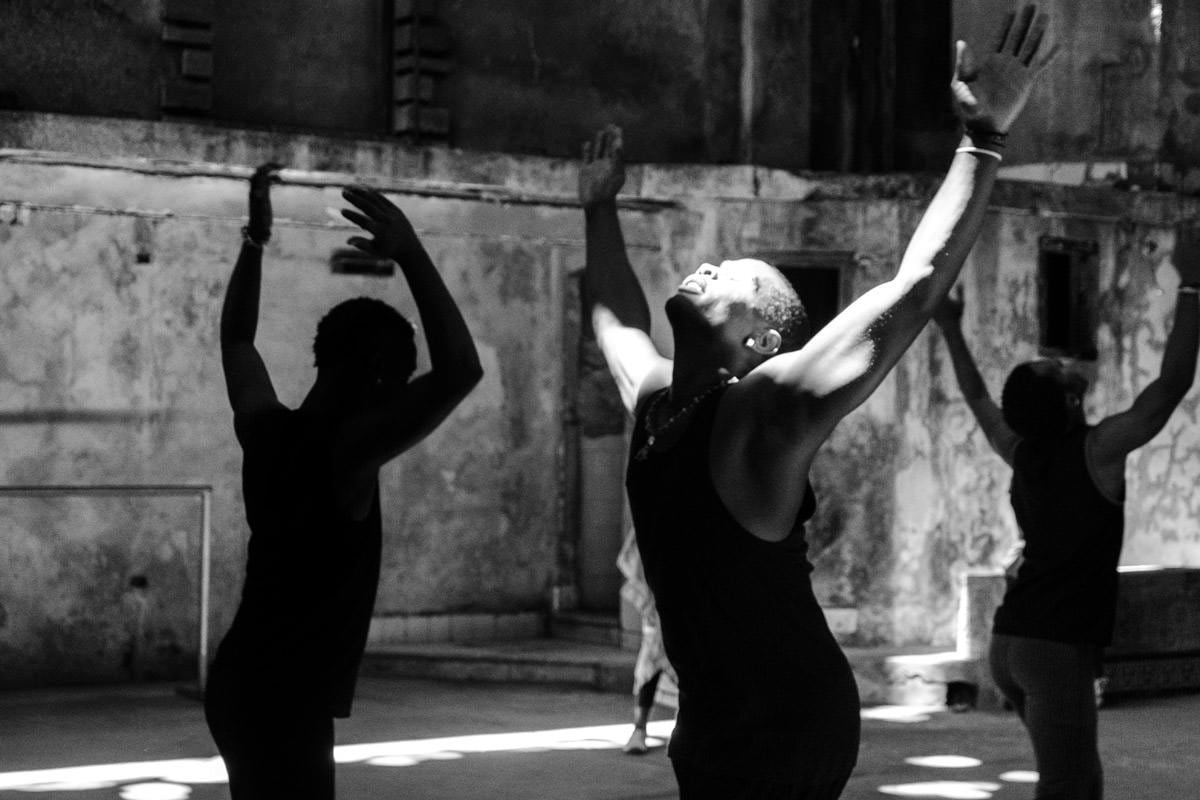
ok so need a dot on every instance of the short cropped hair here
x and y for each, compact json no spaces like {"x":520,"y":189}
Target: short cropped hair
{"x":356,"y":329}
{"x":781,"y":308}
{"x":1034,"y":404}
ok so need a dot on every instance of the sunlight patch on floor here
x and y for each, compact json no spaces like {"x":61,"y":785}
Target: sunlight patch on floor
{"x":168,"y":779}
{"x":943,"y":761}
{"x":900,"y":713}
{"x":943,"y":790}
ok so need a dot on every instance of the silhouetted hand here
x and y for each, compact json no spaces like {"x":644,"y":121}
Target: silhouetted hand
{"x":393,"y":234}
{"x":603,"y":171}
{"x":261,"y":216}
{"x":1187,"y":252}
{"x":990,"y":93}
{"x":949,"y":312}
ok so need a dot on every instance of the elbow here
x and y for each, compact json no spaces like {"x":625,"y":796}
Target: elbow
{"x":462,"y":381}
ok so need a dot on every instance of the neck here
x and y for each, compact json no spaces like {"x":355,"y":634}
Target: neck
{"x":324,"y":398}
{"x":688,"y":382}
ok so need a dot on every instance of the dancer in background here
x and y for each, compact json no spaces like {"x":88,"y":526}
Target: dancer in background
{"x":724,"y":436}
{"x":1068,"y":491}
{"x":288,"y":664}
{"x":652,"y":664}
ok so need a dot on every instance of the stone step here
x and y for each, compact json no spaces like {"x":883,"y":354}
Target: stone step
{"x":592,"y":627}
{"x":921,"y":676}
{"x":897,"y":676}
{"x":544,"y":660}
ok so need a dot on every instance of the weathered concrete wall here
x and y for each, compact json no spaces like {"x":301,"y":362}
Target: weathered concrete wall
{"x":111,"y":374}
{"x":110,"y":370}
{"x":1124,"y":87}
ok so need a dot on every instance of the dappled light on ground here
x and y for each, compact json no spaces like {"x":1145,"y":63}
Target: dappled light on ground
{"x":949,"y":790}
{"x":1019,"y":776}
{"x":169,"y":779}
{"x":943,"y":762}
{"x":907,"y":714}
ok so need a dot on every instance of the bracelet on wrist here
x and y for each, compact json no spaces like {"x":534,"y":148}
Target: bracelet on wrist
{"x":989,"y":140}
{"x":249,"y":240}
{"x":981,"y":151}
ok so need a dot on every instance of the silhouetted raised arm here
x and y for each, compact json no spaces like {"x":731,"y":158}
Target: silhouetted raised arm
{"x":613,"y":299}
{"x":845,"y":361}
{"x":246,"y":379}
{"x":772,"y":423}
{"x":380,"y":434}
{"x":1117,"y":436}
{"x":1002,"y":438}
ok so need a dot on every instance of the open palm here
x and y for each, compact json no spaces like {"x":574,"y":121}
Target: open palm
{"x":990,"y":92}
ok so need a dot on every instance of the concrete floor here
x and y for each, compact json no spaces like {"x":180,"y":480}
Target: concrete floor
{"x":430,"y":740}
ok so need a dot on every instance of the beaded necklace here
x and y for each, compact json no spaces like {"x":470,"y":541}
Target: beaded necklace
{"x":652,"y":435}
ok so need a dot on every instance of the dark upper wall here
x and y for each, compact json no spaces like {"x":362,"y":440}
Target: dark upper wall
{"x":305,"y":64}
{"x":538,"y":77}
{"x":100,"y":57}
{"x":855,"y":85}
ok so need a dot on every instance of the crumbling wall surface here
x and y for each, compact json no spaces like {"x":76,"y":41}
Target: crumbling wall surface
{"x":115,"y":259}
{"x":113,"y":278}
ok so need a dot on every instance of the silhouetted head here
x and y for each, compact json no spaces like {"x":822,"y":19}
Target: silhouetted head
{"x":364,"y":344}
{"x":1042,"y":399}
{"x":745,"y":305}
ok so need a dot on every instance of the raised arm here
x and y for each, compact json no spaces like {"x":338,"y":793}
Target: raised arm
{"x":1116,"y":436}
{"x":246,"y":378}
{"x":839,"y":368}
{"x":382,"y":433}
{"x":613,"y":300}
{"x":948,"y":317}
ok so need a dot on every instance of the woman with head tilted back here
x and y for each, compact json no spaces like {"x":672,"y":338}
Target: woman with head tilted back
{"x":724,"y":435}
{"x":289,"y":662}
{"x":1068,"y":491}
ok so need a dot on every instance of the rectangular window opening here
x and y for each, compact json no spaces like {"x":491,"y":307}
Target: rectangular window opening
{"x":1068,"y":286}
{"x":818,"y":277}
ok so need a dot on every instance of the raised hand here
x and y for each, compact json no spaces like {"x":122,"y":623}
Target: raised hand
{"x":603,"y":172}
{"x":393,"y":234}
{"x":950,"y":310}
{"x":261,"y":216}
{"x":990,"y":93}
{"x":1187,"y":252}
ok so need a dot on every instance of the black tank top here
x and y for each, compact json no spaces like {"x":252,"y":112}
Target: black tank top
{"x":764,"y":689}
{"x":311,"y":572}
{"x":1066,"y":586}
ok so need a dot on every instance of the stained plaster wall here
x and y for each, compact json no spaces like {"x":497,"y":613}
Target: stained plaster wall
{"x":111,"y":372}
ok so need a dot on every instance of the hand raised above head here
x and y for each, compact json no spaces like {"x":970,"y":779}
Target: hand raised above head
{"x":261,"y":215}
{"x":990,"y":92}
{"x":393,"y":234}
{"x":1187,"y":252}
{"x":602,"y":173}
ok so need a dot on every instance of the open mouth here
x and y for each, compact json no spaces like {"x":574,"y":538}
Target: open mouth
{"x":692,"y":284}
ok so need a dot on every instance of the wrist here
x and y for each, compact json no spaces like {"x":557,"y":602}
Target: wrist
{"x":255,"y":238}
{"x":1189,"y":287}
{"x":600,"y":203}
{"x":988,"y":138}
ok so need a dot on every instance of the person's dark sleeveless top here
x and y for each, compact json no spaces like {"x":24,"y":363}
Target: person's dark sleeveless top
{"x":764,"y":689}
{"x":311,"y":571}
{"x":1066,"y":586}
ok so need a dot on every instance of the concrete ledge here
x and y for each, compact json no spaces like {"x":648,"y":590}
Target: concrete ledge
{"x":910,"y":675}
{"x":550,"y":661}
{"x":476,"y":627}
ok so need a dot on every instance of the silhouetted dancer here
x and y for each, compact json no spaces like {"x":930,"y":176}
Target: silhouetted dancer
{"x":1068,"y":493}
{"x":724,"y":437}
{"x":288,"y":664}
